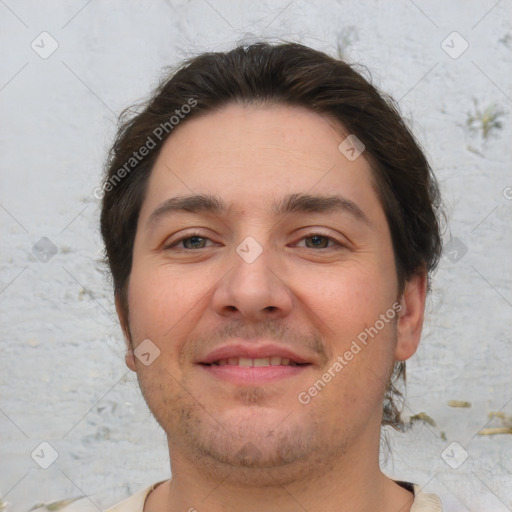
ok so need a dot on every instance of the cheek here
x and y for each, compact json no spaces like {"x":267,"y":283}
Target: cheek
{"x":349,"y":298}
{"x":349,"y":303}
{"x":157,"y":301}
{"x":166,"y":304}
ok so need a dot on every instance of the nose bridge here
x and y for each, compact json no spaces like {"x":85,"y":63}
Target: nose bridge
{"x":252,"y":287}
{"x":252,"y":268}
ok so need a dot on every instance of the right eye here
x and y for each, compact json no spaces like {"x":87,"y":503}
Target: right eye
{"x":189,"y":242}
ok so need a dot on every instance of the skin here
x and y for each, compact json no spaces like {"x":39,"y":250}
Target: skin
{"x":309,"y":294}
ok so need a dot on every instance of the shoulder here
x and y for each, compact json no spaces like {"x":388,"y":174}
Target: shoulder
{"x":134,"y":503}
{"x":425,"y":502}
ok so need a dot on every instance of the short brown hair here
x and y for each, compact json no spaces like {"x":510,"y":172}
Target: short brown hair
{"x":291,"y":74}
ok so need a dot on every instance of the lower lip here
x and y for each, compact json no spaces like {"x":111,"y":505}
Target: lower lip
{"x":253,"y":374}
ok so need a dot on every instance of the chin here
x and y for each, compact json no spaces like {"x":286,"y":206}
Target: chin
{"x":253,"y":464}
{"x":254,"y":447}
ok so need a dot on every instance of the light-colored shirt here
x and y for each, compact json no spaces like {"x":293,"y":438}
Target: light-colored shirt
{"x":423,"y":502}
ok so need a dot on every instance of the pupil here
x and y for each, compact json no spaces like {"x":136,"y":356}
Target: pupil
{"x":317,"y":238}
{"x":193,"y":241}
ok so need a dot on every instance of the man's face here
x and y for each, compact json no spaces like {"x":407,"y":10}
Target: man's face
{"x":235,"y":298}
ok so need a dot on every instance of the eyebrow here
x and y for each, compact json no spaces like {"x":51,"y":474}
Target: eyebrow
{"x":292,"y":203}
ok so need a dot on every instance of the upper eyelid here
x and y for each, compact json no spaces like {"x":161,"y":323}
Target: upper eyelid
{"x":335,"y":241}
{"x":185,"y":237}
{"x":302,"y":237}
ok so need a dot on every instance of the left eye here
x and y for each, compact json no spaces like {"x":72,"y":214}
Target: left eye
{"x":190,"y":242}
{"x":314,"y":241}
{"x":318,"y":241}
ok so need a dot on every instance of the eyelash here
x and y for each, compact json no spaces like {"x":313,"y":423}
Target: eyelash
{"x":199,"y":235}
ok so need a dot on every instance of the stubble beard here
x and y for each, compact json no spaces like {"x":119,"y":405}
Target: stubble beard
{"x":267,"y":451}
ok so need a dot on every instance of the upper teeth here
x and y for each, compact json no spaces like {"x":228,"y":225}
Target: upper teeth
{"x":260,"y":361}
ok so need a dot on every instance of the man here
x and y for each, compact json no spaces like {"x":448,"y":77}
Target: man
{"x":271,"y":225}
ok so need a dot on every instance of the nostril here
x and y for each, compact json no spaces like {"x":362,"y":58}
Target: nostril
{"x":270,"y":308}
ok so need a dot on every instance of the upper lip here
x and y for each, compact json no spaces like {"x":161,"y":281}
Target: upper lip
{"x":253,"y":352}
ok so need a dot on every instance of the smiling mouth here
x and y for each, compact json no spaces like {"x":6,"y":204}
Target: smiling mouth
{"x":247,"y":362}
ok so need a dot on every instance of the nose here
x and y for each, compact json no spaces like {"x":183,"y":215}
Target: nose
{"x":253,"y":290}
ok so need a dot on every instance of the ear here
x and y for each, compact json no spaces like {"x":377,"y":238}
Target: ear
{"x":129,"y":357}
{"x":410,"y":317}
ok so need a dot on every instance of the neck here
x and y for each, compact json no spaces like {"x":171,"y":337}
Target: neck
{"x":351,"y":482}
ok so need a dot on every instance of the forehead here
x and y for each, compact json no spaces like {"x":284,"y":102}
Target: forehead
{"x":253,"y":155}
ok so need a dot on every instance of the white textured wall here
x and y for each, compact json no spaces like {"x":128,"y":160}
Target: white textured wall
{"x":63,"y":379}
